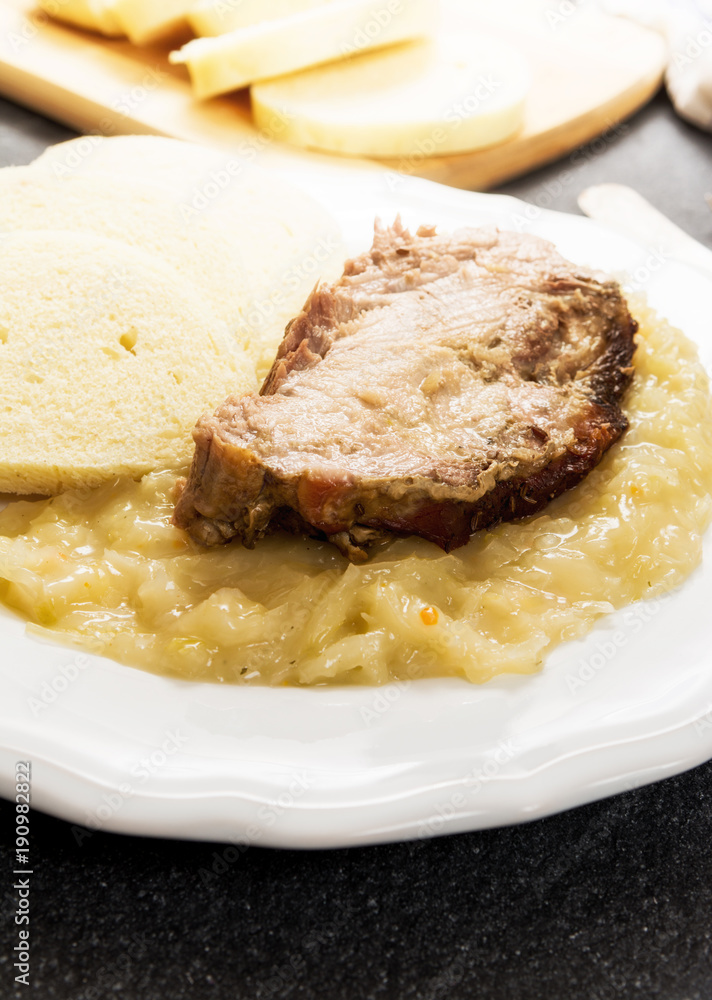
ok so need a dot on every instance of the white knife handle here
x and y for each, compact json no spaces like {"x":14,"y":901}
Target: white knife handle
{"x":627,"y":212}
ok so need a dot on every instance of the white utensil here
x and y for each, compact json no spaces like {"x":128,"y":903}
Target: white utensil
{"x":627,"y":212}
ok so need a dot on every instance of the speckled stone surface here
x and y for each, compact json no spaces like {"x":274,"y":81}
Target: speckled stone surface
{"x":612,"y":900}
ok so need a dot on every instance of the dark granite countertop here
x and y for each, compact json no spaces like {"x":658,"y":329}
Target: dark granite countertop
{"x":610,"y":900}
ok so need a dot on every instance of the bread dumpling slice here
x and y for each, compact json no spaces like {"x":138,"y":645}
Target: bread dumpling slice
{"x":286,"y":240}
{"x":147,"y":21}
{"x":92,"y":15}
{"x":205,"y":256}
{"x":216,"y":17}
{"x":330,"y":31}
{"x":453,"y":93}
{"x":107,"y":358}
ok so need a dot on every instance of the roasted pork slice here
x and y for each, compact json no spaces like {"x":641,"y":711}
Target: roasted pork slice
{"x":442,"y":384}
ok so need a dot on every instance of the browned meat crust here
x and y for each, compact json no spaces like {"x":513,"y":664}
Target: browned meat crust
{"x":444,"y":383}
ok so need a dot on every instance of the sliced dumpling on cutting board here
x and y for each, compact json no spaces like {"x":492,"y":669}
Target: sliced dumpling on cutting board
{"x":94,"y":15}
{"x":216,"y":17}
{"x":273,"y":242}
{"x":458,"y":92}
{"x":146,"y":21}
{"x":107,"y":356}
{"x":329,"y":31}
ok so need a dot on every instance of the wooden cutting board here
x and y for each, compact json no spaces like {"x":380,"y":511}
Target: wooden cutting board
{"x":589,"y":71}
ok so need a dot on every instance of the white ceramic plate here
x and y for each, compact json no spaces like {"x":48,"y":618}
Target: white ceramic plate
{"x":119,"y":749}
